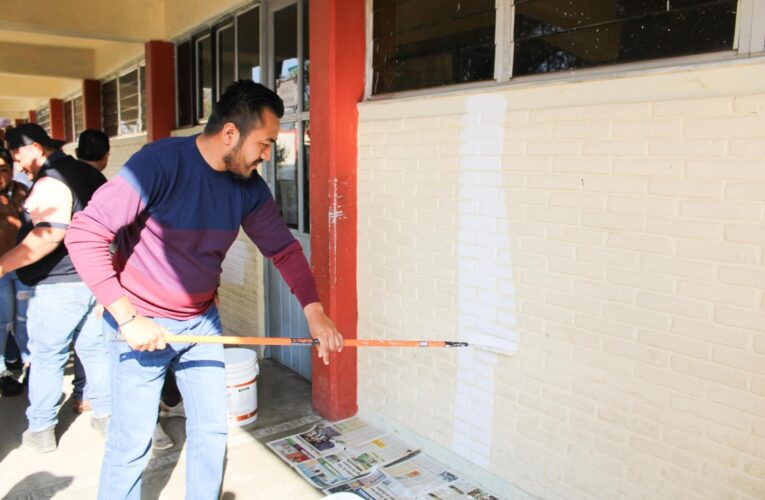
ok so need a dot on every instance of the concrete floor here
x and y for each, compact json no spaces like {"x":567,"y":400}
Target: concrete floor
{"x":71,"y":472}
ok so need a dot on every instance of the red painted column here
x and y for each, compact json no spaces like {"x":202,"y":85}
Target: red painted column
{"x":91,"y":104}
{"x":337,"y":86}
{"x":160,"y":89}
{"x":56,"y":110}
{"x":32,"y":116}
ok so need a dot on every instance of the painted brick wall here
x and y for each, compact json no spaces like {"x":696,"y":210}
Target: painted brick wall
{"x":612,"y":232}
{"x":241,"y":290}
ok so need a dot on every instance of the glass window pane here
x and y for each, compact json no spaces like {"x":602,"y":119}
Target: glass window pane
{"x":286,"y":57}
{"x":225,"y":57}
{"x":429,"y":43}
{"x":128,"y":103}
{"x":79,"y":119}
{"x":554,"y":36}
{"x":286,"y":150}
{"x":306,"y":177}
{"x":185,"y":79}
{"x":42,"y":117}
{"x":109,"y":106}
{"x":204,"y":77}
{"x":248,"y":44}
{"x":306,"y":58}
{"x":142,"y":80}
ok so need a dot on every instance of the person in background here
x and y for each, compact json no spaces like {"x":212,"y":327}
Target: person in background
{"x":175,"y":208}
{"x":12,"y":196}
{"x":93,"y":148}
{"x":61,"y":308}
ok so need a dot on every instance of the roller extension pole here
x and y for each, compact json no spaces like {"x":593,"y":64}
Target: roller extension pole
{"x":226,"y":339}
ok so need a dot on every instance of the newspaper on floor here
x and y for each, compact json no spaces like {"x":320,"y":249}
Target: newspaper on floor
{"x":353,"y":462}
{"x":420,"y":474}
{"x":376,"y":486}
{"x":325,"y":439}
{"x":354,"y":456}
{"x":428,"y":479}
{"x":460,"y":488}
{"x":417,"y":476}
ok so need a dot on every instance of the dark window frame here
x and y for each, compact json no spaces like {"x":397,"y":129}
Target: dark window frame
{"x":193,"y":71}
{"x":197,"y":71}
{"x":746,"y":43}
{"x":114,"y":79}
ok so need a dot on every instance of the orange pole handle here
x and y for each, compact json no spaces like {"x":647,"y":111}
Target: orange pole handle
{"x":287,"y":341}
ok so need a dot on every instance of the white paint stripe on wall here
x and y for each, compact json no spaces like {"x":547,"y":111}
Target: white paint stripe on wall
{"x":483,"y":230}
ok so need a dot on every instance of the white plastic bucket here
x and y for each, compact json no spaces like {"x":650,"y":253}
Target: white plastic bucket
{"x":241,"y":386}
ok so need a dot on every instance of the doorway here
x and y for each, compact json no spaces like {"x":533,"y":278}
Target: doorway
{"x":286,"y":53}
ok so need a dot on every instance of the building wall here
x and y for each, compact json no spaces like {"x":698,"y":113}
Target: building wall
{"x":610,"y":230}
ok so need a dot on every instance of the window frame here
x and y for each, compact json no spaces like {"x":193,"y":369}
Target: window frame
{"x":44,"y":122}
{"x":301,"y":116}
{"x":217,"y":30}
{"x":192,"y":71}
{"x":750,"y":27}
{"x":197,"y":94}
{"x":71,"y":118}
{"x":212,"y":29}
{"x":136,"y":66}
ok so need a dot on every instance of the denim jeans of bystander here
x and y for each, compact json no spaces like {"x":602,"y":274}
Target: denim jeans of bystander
{"x":59,"y":314}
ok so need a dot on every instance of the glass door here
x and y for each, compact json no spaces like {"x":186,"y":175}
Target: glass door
{"x":287,"y":60}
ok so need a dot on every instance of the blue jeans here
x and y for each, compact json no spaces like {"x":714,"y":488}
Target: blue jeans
{"x":137,"y":379}
{"x":79,"y":383}
{"x":58,"y":314}
{"x":6,"y":314}
{"x":14,"y":296}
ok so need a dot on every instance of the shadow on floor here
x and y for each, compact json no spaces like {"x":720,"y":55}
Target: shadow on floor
{"x":38,"y":485}
{"x":13,"y":417}
{"x":284,"y":402}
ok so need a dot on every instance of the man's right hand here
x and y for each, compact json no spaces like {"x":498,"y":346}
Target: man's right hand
{"x":143,"y":334}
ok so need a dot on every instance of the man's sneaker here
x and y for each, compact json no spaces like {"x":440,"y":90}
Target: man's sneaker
{"x":101,"y":425}
{"x":42,"y":441}
{"x":9,"y":386}
{"x":160,"y":440}
{"x":172,"y":411}
{"x":80,"y":406}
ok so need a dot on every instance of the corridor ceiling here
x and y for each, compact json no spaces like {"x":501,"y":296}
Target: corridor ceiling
{"x":47,"y":47}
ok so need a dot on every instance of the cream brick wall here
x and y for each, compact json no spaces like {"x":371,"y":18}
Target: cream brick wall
{"x":241,"y":290}
{"x":612,"y":231}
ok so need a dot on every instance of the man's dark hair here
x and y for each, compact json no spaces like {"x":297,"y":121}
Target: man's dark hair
{"x":6,"y":155}
{"x":242,"y":104}
{"x":92,"y":145}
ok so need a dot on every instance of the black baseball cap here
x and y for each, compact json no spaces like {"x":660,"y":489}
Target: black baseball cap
{"x":28,"y":133}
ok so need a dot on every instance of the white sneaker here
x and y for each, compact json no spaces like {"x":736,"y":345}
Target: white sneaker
{"x":160,"y":440}
{"x":172,"y":411}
